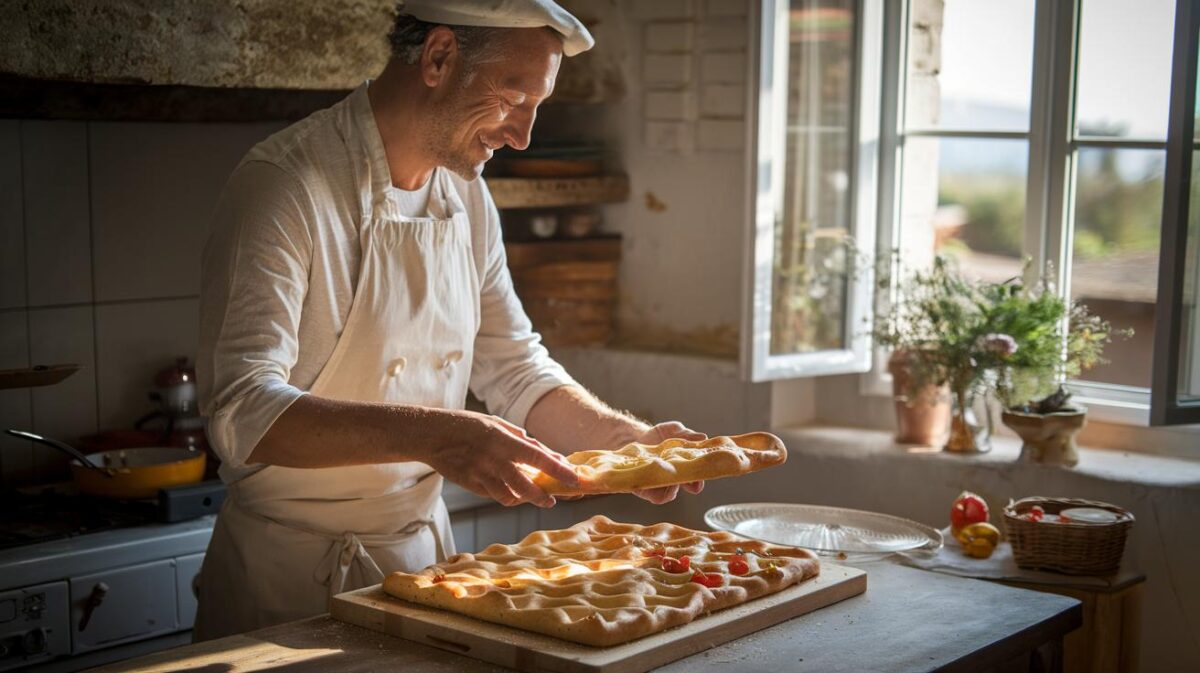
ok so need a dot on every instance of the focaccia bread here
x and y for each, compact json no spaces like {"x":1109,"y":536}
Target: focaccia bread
{"x":604,"y":583}
{"x":675,"y":461}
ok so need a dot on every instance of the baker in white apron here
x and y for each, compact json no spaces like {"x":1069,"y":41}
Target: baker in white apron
{"x":289,"y":537}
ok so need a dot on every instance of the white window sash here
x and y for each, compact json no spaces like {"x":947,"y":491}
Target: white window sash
{"x":765,"y":171}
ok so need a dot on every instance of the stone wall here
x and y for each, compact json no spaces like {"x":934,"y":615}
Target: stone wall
{"x":284,"y":44}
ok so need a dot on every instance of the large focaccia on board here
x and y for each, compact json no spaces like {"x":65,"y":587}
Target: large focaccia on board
{"x":675,"y":461}
{"x":603,"y":583}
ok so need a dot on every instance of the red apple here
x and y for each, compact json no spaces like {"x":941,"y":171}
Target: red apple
{"x":968,"y":508}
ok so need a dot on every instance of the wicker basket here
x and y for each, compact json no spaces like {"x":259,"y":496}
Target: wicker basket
{"x":1068,"y":548}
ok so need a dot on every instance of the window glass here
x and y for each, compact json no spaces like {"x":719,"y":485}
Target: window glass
{"x":970,"y":65}
{"x":810,"y":279}
{"x":1189,"y":341}
{"x":1124,"y":71}
{"x":975,"y":210}
{"x":1117,"y":215}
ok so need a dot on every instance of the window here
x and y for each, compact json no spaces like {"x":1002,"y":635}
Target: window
{"x":1006,"y":130}
{"x":1176,"y":389}
{"x":813,"y":175}
{"x":1064,"y":167}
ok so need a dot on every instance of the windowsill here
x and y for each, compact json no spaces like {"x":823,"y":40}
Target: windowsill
{"x":1103,"y":464}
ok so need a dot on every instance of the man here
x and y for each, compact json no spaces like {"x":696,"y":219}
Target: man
{"x":354,"y":287}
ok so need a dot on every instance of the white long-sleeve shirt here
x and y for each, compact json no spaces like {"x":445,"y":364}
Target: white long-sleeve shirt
{"x":279,"y":272}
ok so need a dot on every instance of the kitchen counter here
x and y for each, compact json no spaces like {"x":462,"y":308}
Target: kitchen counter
{"x":908,"y":621}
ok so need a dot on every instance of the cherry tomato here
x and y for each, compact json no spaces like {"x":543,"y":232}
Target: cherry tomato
{"x":711,"y":581}
{"x":738,"y":566}
{"x":680,"y":565}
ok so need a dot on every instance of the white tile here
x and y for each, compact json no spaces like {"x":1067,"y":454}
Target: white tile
{"x":463,"y":526}
{"x":12,"y":219}
{"x":496,"y":524}
{"x":133,"y":342}
{"x":723,"y":100}
{"x":676,"y":137}
{"x":66,"y":410}
{"x":670,"y":105}
{"x":724,"y":34}
{"x":16,"y":455}
{"x":154,"y":187}
{"x":54,"y":166}
{"x":721,"y":135}
{"x":669,"y":36}
{"x":723,"y":66}
{"x":667,"y":69}
{"x":528,"y":517}
{"x":664,"y":9}
{"x":726,"y":8}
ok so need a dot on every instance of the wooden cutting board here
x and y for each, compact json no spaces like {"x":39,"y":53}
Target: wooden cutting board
{"x":527,"y":651}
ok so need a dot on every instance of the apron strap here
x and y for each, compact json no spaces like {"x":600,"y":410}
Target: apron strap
{"x":349,"y":553}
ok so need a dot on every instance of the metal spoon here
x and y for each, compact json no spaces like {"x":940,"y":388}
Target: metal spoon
{"x":65,"y":448}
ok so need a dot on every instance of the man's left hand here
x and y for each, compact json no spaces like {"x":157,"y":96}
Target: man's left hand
{"x":661,"y":433}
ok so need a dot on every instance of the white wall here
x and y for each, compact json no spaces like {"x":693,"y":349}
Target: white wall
{"x":101,"y":227}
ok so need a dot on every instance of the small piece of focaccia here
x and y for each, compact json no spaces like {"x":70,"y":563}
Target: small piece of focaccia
{"x":675,"y":461}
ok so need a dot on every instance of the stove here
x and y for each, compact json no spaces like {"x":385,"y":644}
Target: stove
{"x":85,"y":581}
{"x":27,"y":519}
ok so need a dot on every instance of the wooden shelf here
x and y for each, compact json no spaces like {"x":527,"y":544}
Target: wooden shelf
{"x":551,"y":192}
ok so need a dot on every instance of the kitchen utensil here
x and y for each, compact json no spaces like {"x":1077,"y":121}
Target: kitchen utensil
{"x":65,"y":448}
{"x":371,"y":608}
{"x":829,"y":531}
{"x":130,"y":474}
{"x":40,"y":375}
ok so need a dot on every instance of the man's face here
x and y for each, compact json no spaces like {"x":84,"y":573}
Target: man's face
{"x":494,"y":106}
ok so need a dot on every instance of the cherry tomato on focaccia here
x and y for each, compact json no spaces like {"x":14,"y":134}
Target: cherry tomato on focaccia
{"x":679,"y":565}
{"x":738,"y":566}
{"x":711,"y":581}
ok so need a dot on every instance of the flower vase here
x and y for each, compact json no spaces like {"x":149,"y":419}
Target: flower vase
{"x":967,"y":433}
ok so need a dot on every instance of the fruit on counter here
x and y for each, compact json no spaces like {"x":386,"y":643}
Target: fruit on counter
{"x":1035,"y":513}
{"x":978,"y":540}
{"x":968,"y":508}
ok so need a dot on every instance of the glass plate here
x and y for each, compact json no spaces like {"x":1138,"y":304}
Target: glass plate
{"x":826,"y":530}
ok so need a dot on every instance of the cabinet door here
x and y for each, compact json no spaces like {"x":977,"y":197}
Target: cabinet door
{"x":186,"y":570}
{"x":122,"y":605}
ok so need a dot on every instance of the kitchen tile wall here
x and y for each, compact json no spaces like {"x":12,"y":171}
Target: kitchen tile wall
{"x":101,"y":230}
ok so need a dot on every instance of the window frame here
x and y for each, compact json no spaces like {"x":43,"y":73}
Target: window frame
{"x":765,"y":169}
{"x":1051,"y":175}
{"x":1165,"y":408}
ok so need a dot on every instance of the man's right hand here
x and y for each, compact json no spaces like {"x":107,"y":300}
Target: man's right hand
{"x":483,"y":453}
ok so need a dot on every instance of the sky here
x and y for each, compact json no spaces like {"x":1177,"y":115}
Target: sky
{"x":1125,"y":58}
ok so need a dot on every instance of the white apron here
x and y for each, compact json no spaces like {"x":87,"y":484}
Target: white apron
{"x":288,"y":539}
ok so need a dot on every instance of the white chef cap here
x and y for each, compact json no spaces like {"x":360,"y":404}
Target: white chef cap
{"x":504,"y":14}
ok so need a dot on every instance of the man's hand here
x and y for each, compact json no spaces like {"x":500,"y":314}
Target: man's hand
{"x":483,"y":453}
{"x":661,"y":433}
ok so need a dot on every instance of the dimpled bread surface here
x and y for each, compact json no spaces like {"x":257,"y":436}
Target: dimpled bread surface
{"x":597,"y":583}
{"x":675,"y":461}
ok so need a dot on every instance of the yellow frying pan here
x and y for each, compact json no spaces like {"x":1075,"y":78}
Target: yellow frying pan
{"x":128,"y":474}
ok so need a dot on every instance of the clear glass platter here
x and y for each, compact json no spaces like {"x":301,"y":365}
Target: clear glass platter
{"x":830,"y":531}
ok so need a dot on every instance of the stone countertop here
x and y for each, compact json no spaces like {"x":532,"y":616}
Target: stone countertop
{"x":907,"y":621}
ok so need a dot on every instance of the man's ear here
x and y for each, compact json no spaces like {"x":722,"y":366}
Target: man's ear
{"x":439,"y":56}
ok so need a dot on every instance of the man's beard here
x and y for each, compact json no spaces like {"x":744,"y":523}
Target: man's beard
{"x":448,"y":120}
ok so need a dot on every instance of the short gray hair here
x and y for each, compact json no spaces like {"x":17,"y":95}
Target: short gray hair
{"x":477,"y":44}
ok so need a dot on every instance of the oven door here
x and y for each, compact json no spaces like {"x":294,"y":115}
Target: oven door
{"x":123,"y":605}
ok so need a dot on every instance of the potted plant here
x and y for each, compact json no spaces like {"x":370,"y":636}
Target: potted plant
{"x":1054,"y":339}
{"x":913,"y":325}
